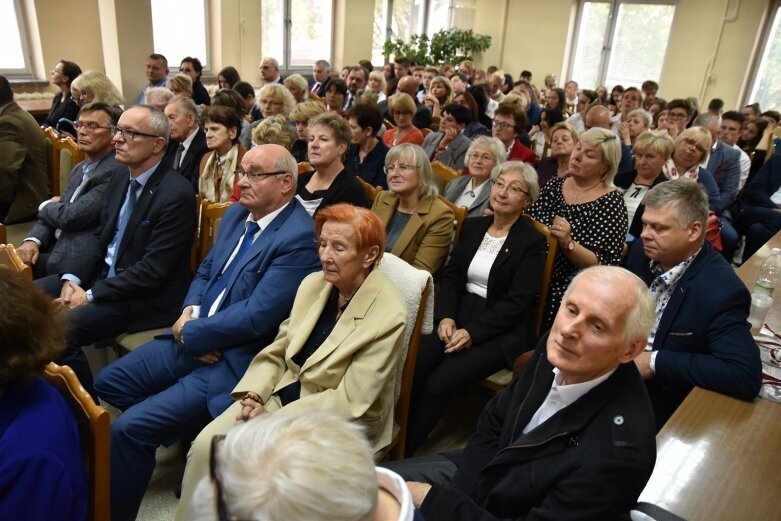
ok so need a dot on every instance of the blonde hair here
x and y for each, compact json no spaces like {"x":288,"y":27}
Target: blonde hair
{"x":608,"y":143}
{"x":402,"y":101}
{"x":657,"y":140}
{"x":306,"y":110}
{"x":101,"y":87}
{"x":415,"y":155}
{"x":276,"y":90}
{"x":182,"y":81}
{"x":274,"y":130}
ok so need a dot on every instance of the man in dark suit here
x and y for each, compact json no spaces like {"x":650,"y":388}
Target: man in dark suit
{"x":759,"y":218}
{"x":188,"y":140}
{"x":243,"y":290}
{"x":67,"y":225}
{"x":570,"y":438}
{"x":138,"y":269}
{"x":409,"y":85}
{"x":321,"y":77}
{"x":701,"y":336}
{"x":269,"y":71}
{"x":24,"y":181}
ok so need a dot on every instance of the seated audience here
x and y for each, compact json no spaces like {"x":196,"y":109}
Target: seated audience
{"x":216,"y":173}
{"x":65,"y":224}
{"x":449,"y":144}
{"x":41,"y":469}
{"x":188,"y":140}
{"x":301,"y":114}
{"x":24,"y":181}
{"x":366,"y":154}
{"x":321,"y":77}
{"x":508,"y":125}
{"x":540,"y":140}
{"x":474,"y":189}
{"x":729,"y":131}
{"x":298,"y":87}
{"x":691,"y":148}
{"x":330,"y":182}
{"x":750,"y":138}
{"x":679,"y":114}
{"x":586,"y":98}
{"x":700,"y":336}
{"x":336,"y":352}
{"x":273,"y":99}
{"x":192,"y":67}
{"x":440,"y":94}
{"x":247,"y":93}
{"x":181,"y":85}
{"x":228,"y":77}
{"x":408,"y":85}
{"x":96,"y":87}
{"x":572,"y":436}
{"x":631,"y":99}
{"x":244,"y":289}
{"x":402,"y":108}
{"x":418,"y":225}
{"x":64,"y":108}
{"x":274,"y":130}
{"x":637,"y":122}
{"x":564,"y":138}
{"x":529,"y":93}
{"x":308,"y":466}
{"x":474,"y":128}
{"x":584,"y":211}
{"x":557,"y":99}
{"x":660,"y":120}
{"x":484,"y":303}
{"x":759,"y":217}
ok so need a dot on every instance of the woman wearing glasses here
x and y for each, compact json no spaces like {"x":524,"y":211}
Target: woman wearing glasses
{"x":473,"y":190}
{"x":484,"y":304}
{"x":508,"y":126}
{"x":418,"y":225}
{"x":216,"y":179}
{"x":402,"y":108}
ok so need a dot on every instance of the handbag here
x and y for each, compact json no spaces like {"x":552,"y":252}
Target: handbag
{"x":713,"y":231}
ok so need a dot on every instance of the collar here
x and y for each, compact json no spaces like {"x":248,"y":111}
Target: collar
{"x":569,"y":393}
{"x":6,"y":107}
{"x":674,"y":274}
{"x":264,"y":221}
{"x":189,"y":139}
{"x":145,"y":175}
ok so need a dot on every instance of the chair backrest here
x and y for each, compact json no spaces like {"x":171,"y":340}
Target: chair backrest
{"x":3,"y":236}
{"x":10,"y":259}
{"x":212,"y":213}
{"x":94,"y":429}
{"x":371,"y":192}
{"x":194,"y":250}
{"x":388,"y":124}
{"x":542,"y":298}
{"x":458,"y":223}
{"x":445,"y":172}
{"x":69,"y":156}
{"x":50,"y":138}
{"x":415,"y":287}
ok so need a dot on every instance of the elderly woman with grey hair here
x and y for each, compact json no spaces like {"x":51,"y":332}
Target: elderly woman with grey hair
{"x":584,"y":212}
{"x":418,"y":225}
{"x":485,"y":154}
{"x":484,"y":302}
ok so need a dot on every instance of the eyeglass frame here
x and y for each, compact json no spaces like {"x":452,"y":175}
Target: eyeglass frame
{"x":509,"y":187}
{"x":129,"y":134}
{"x":89,"y":126}
{"x":255,"y":177}
{"x":405,"y":168}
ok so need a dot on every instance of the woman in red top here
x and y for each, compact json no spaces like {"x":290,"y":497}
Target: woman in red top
{"x":402,"y":108}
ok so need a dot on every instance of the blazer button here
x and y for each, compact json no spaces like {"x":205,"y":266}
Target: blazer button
{"x":618,"y":420}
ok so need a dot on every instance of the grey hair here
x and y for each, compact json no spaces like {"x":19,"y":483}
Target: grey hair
{"x":287,"y":164}
{"x":164,"y":92}
{"x":186,"y":105}
{"x":641,"y":317}
{"x":272,"y":61}
{"x":277,"y":90}
{"x":492,"y":144}
{"x":688,"y":199}
{"x":159,"y":122}
{"x":323,"y":63}
{"x":703,"y":120}
{"x":529,"y":176}
{"x":298,"y":80}
{"x":313,"y":466}
{"x":642,"y":114}
{"x":608,"y":143}
{"x":416,"y":155}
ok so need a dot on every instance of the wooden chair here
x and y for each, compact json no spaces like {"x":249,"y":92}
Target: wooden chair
{"x":199,"y":207}
{"x":3,"y":236}
{"x":388,"y":124}
{"x":499,"y":380}
{"x":68,"y":155}
{"x":94,"y":429}
{"x":10,"y":259}
{"x":461,"y":212}
{"x":210,"y":225}
{"x":51,"y":137}
{"x":370,"y":191}
{"x":445,"y":172}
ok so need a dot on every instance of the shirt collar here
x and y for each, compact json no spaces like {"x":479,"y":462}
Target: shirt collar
{"x":264,"y":221}
{"x":145,"y":175}
{"x":674,"y":274}
{"x":189,"y":139}
{"x":569,"y":393}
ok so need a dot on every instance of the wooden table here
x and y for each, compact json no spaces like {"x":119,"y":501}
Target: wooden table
{"x":39,"y":108}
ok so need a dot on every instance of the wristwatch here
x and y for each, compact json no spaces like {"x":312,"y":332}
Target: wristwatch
{"x":571,"y":245}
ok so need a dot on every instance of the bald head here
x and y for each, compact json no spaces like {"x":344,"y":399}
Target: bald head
{"x":408,"y":85}
{"x":262,"y":194}
{"x":598,"y":116}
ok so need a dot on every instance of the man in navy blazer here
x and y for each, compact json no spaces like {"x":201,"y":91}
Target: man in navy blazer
{"x":701,"y":336}
{"x":759,"y":218}
{"x":243,"y":290}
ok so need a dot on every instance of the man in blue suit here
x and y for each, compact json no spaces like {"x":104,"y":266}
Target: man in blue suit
{"x":243,"y":290}
{"x":700,"y":336}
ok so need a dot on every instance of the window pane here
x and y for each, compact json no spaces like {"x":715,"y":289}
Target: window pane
{"x":438,"y":16}
{"x":407,"y":18}
{"x":767,"y":86}
{"x":591,"y":40}
{"x":12,"y":55}
{"x":179,"y":30}
{"x":639,"y":43}
{"x":272,"y":17}
{"x":464,"y":14}
{"x":379,"y":30}
{"x":310,"y":32}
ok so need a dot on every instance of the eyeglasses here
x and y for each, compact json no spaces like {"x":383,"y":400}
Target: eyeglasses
{"x":129,"y":135}
{"x":484,"y":157}
{"x":255,"y":177}
{"x":402,"y":114}
{"x":512,"y":189}
{"x":677,"y":115}
{"x":693,"y":143}
{"x":89,"y":126}
{"x":401,"y":168}
{"x":501,"y":125}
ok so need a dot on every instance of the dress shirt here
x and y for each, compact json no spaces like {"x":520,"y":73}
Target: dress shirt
{"x":186,"y":144}
{"x":662,"y":289}
{"x":468,"y":195}
{"x":745,"y":166}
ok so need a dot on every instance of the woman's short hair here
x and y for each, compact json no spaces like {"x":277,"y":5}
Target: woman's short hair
{"x":306,"y":110}
{"x":529,"y":176}
{"x":182,"y":81}
{"x":563,"y":125}
{"x":368,"y":227}
{"x":443,"y":82}
{"x":701,"y":136}
{"x":32,"y":332}
{"x":71,"y":70}
{"x":367,"y":115}
{"x":410,"y":154}
{"x":402,"y":102}
{"x":298,"y":80}
{"x":230,"y":74}
{"x":310,"y":466}
{"x":230,"y":98}
{"x":102,"y":88}
{"x":337,"y":85}
{"x":338,"y":125}
{"x":642,"y":114}
{"x":657,"y":140}
{"x":222,"y":115}
{"x":515,"y":99}
{"x":274,"y":130}
{"x":460,"y":113}
{"x":244,"y":89}
{"x":196,"y":63}
{"x":608,"y":143}
{"x":379,"y":76}
{"x":494,"y":146}
{"x":511,"y":110}
{"x":690,"y":201}
{"x":275,"y":90}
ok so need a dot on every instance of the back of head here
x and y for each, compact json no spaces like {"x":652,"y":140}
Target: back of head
{"x":274,"y":130}
{"x":230,"y":98}
{"x":460,"y":113}
{"x":6,"y":94}
{"x":367,"y":115}
{"x":688,"y":199}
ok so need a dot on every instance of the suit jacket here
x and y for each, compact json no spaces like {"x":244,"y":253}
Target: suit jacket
{"x":200,"y":94}
{"x":456,"y":186}
{"x":323,"y":86}
{"x":765,"y":184}
{"x":589,"y":461}
{"x":152,"y":262}
{"x":258,"y":296}
{"x":189,"y":164}
{"x":724,"y":164}
{"x":513,"y":284}
{"x":79,"y":220}
{"x":24,"y":181}
{"x":425,"y":240}
{"x":345,"y":188}
{"x":454,"y":155}
{"x":353,"y":371}
{"x":703,"y":337}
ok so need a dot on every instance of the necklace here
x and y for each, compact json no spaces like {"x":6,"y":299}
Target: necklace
{"x":346,"y":299}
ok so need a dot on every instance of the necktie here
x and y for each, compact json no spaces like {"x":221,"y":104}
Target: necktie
{"x":315,"y":87}
{"x":124,"y":217}
{"x":216,"y":289}
{"x":178,"y":156}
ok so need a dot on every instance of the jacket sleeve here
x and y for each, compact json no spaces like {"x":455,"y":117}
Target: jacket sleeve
{"x":433,"y":249}
{"x":730,"y":180}
{"x":13,"y":154}
{"x":84,"y":210}
{"x":762,"y":187}
{"x":708,"y":183}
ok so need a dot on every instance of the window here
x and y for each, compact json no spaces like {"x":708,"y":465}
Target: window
{"x":621,"y":42}
{"x":766,"y":88}
{"x":13,"y":41}
{"x":297,"y":32}
{"x":179,"y":29}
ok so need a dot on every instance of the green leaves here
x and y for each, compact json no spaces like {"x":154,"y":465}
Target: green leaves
{"x":449,"y":46}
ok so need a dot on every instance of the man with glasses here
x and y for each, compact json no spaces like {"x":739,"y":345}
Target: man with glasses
{"x":679,"y":114}
{"x":243,"y":290}
{"x":67,"y":224}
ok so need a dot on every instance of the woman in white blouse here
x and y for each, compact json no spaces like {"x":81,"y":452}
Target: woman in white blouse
{"x":473,"y":190}
{"x":485,"y":302}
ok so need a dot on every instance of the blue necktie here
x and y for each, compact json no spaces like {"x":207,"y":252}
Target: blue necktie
{"x":208,"y":299}
{"x":124,"y":217}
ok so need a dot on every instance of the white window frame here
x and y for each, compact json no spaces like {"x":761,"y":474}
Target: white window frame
{"x":285,"y":66}
{"x":25,"y":73}
{"x":207,"y":67}
{"x":756,"y":63}
{"x":610,"y":31}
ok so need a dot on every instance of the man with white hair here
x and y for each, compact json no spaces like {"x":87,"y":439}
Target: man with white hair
{"x":269,"y":71}
{"x":573,"y":436}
